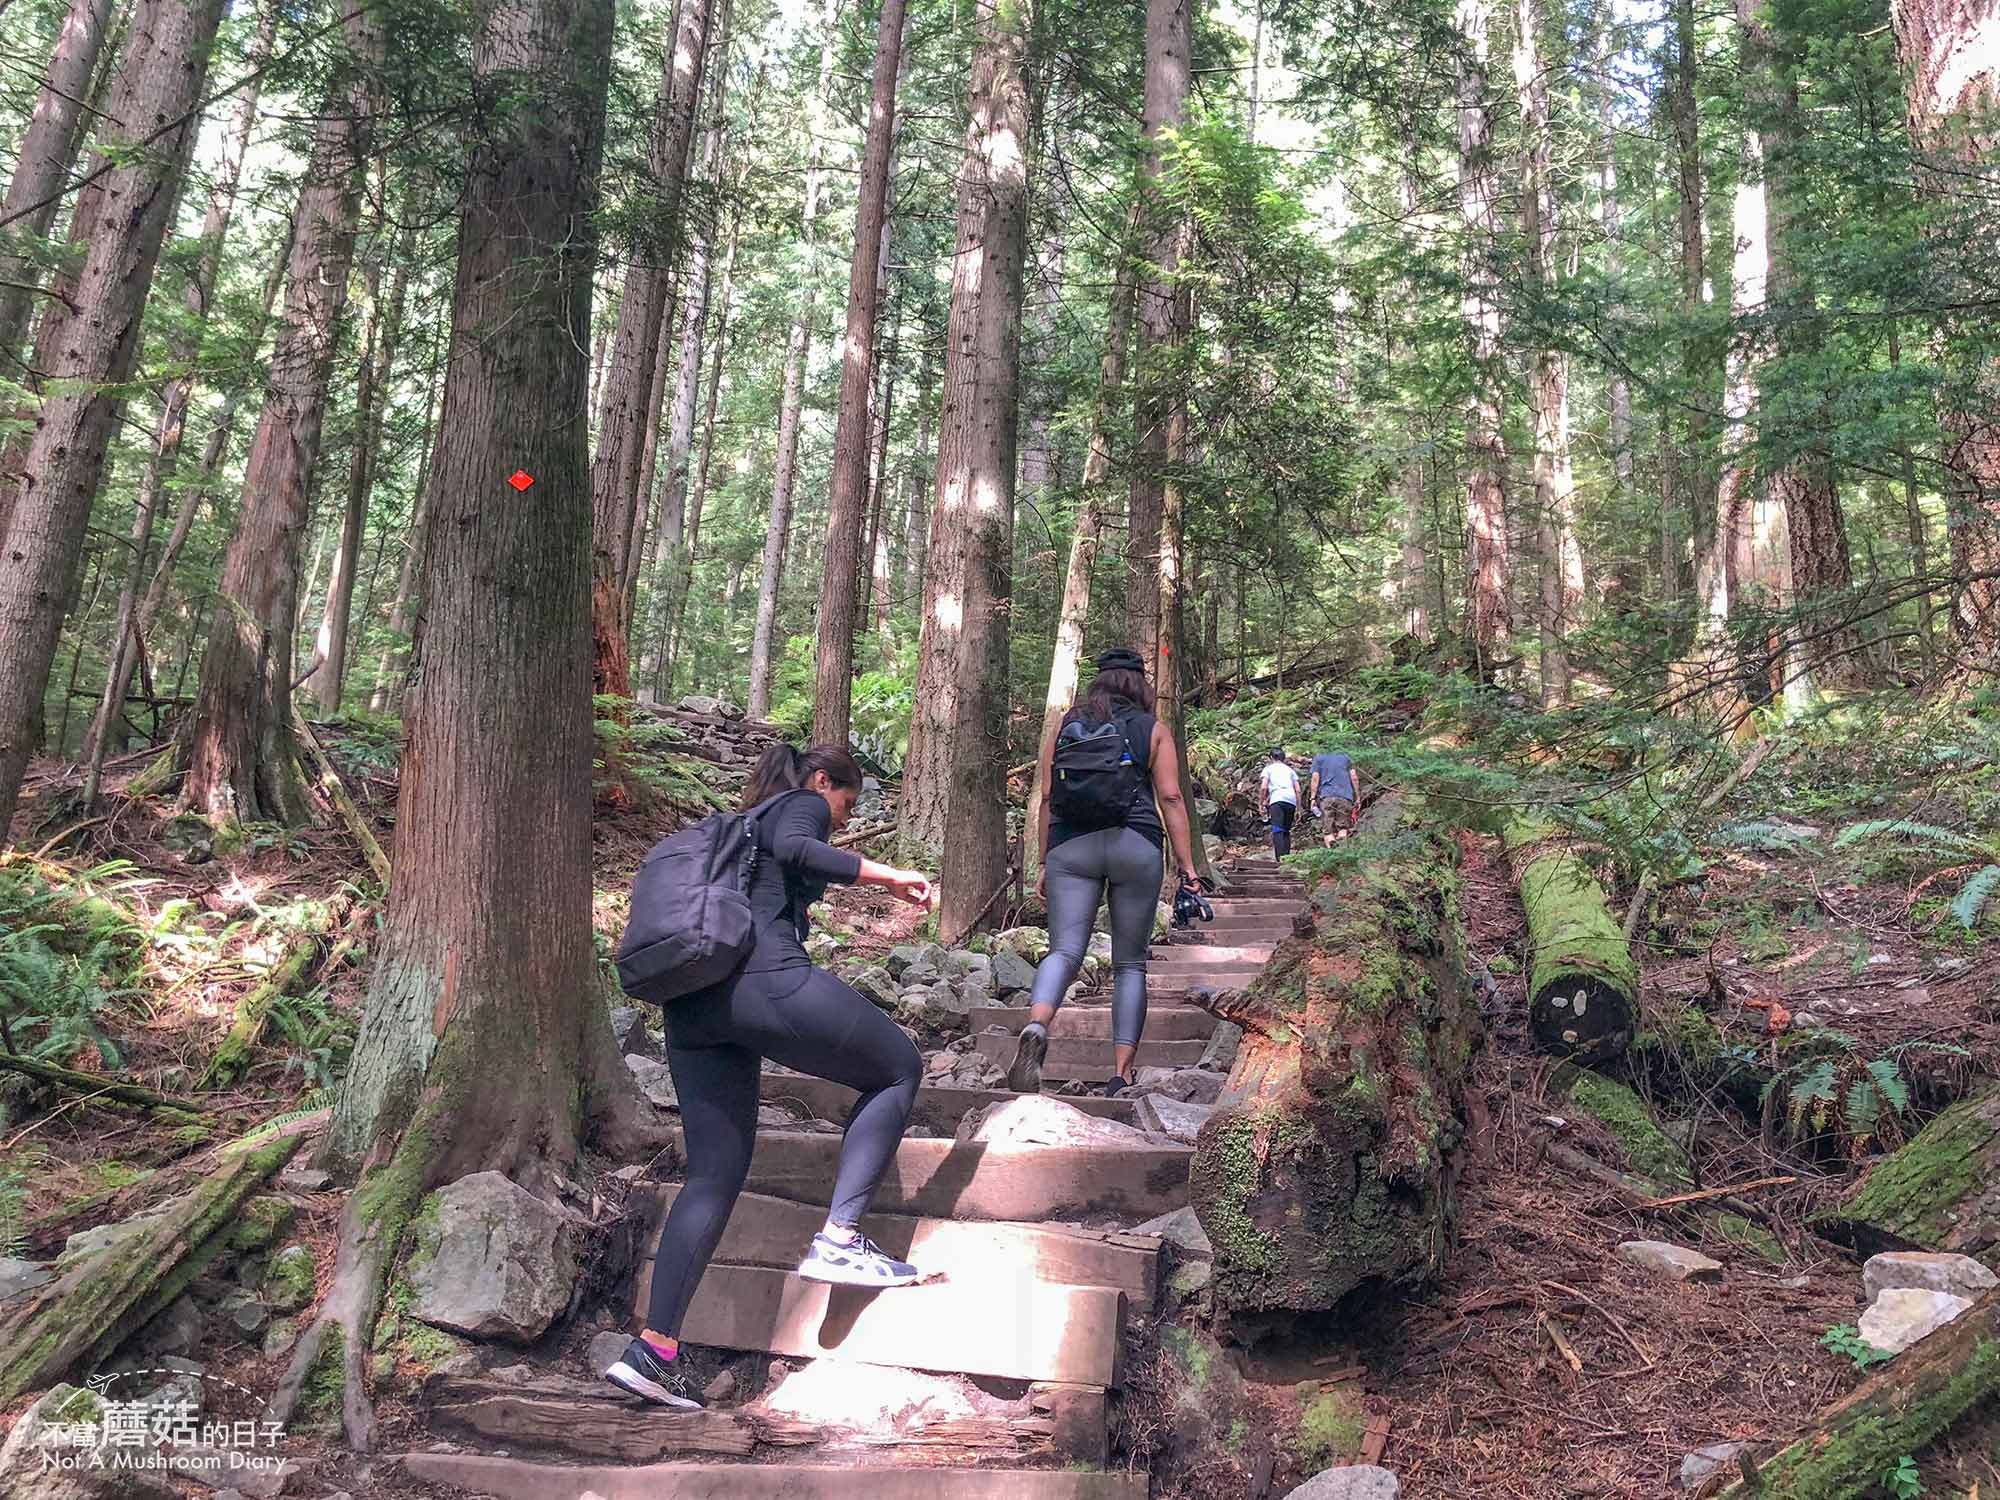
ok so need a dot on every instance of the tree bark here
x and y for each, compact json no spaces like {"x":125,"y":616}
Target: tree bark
{"x":85,"y":356}
{"x":955,"y":775}
{"x":1559,"y":560}
{"x":1583,"y":992}
{"x":1951,"y":64}
{"x":48,"y":150}
{"x":762,"y":664}
{"x":402,"y":613}
{"x":1327,"y":1162}
{"x":237,"y":745}
{"x":1698,"y":498}
{"x":1620,"y":391}
{"x":847,"y":495}
{"x":174,"y":404}
{"x":1939,"y":1191}
{"x":1169,"y":46}
{"x":914,"y":561}
{"x":486,"y":969}
{"x":629,"y":383}
{"x":1490,"y":612}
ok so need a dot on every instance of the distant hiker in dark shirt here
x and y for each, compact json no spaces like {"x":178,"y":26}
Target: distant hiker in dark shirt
{"x":1336,"y":793}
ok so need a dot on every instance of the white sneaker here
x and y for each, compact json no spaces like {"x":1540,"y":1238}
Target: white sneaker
{"x":863,"y":1263}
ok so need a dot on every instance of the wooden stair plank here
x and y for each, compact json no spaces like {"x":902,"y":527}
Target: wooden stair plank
{"x":1164,"y":1023}
{"x":938,"y":1109}
{"x":520,"y":1479}
{"x":942,"y":1179}
{"x":767,"y":1231}
{"x":1009,"y":1326}
{"x":1090,"y":1058}
{"x":1219,"y":953}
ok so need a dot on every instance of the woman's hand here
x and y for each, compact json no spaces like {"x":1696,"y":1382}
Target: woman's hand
{"x":1193,"y":882}
{"x":1042,"y":885}
{"x":912,"y":886}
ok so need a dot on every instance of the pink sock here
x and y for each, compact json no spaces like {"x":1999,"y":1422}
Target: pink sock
{"x":667,"y":1350}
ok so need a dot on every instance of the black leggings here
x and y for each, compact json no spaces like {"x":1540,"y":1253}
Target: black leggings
{"x":822,"y":1027}
{"x":1282,"y":814}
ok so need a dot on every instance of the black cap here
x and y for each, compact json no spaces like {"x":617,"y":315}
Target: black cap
{"x":1121,"y":659}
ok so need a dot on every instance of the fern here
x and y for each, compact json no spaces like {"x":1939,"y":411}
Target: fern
{"x":1971,"y":901}
{"x":12,"y":1196}
{"x":1781,"y":837}
{"x":1943,"y":840}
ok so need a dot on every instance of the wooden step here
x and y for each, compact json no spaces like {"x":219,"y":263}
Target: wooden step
{"x":1217,"y":953}
{"x":1262,"y":931}
{"x":946,"y":1180}
{"x":936,"y":1109}
{"x":767,"y":1231}
{"x":1172,"y":988}
{"x":1164,"y":1023}
{"x":1089,"y":1058}
{"x":1255,"y":906}
{"x":520,"y":1479}
{"x":1009,"y":1327}
{"x":1234,"y":974}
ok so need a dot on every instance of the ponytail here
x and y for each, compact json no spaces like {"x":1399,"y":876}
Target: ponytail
{"x":784,"y":768}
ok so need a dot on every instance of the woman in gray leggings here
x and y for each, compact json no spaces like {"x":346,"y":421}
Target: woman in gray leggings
{"x":1080,"y":868}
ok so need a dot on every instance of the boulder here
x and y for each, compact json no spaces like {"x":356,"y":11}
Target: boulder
{"x":1223,"y":1043}
{"x":47,"y":1430}
{"x":1676,"y":1262}
{"x":1173,"y":1118}
{"x":916,"y":963}
{"x":875,"y":985}
{"x":606,"y":1349}
{"x":1354,"y":1482}
{"x":1181,"y":1228}
{"x":1041,"y":1120}
{"x":972,"y":973}
{"x":280,"y":1336}
{"x":490,"y":1259}
{"x":17,"y":1276}
{"x":1903,"y":1315}
{"x":1099,"y":948}
{"x":630,"y":1031}
{"x":701,"y":703}
{"x":821,"y":947}
{"x":1189,"y":1085}
{"x":964,"y":1070}
{"x":1012,"y":974}
{"x":291,"y":1280}
{"x":1922,"y":1270}
{"x":175,"y":1331}
{"x":1703,"y":1462}
{"x":942,"y":1006}
{"x":244,"y":1313}
{"x":1206,"y":809}
{"x":1032,"y":943}
{"x":655,"y":1080}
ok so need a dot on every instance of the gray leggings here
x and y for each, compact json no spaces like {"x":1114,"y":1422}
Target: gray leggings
{"x":1078,"y":871}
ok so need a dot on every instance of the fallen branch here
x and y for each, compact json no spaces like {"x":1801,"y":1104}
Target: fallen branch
{"x":1717,"y":1192}
{"x":1238,"y":1006}
{"x":179,"y":1111}
{"x":336,"y":793}
{"x":232,"y":1056}
{"x":861,"y":835}
{"x":1736,"y":777}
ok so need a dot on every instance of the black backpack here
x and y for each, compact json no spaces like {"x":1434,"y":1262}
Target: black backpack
{"x":690,"y":924}
{"x":1093,"y":776}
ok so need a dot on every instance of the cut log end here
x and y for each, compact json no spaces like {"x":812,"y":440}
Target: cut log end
{"x":1581,"y":1017}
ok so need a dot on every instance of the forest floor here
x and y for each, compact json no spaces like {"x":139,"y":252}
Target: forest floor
{"x":1474,"y":1376}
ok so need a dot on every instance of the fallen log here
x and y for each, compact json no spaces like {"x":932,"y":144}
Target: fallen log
{"x":1327,"y":1160}
{"x":232,"y":1055}
{"x":1939,"y":1191}
{"x":1853,"y":1443}
{"x":78,"y":1319}
{"x":335,"y":791}
{"x":174,"y":1111}
{"x":1584,"y":986}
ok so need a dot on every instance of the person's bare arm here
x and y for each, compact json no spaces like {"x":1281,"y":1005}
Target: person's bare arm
{"x":1173,"y":802}
{"x":1312,"y":797}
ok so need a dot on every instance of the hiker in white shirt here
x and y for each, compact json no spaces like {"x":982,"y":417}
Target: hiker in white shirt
{"x":1278,"y":801}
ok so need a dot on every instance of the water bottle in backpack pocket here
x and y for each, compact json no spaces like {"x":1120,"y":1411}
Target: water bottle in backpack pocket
{"x":1093,"y":776}
{"x":690,"y":925}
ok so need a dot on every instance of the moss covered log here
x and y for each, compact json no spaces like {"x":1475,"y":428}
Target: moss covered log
{"x":79,"y":1318}
{"x":1939,"y":1191}
{"x":1583,"y":989}
{"x":1853,"y":1443}
{"x":1325,"y":1163}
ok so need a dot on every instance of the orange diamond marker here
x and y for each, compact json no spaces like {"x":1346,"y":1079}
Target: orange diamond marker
{"x":520,"y":479}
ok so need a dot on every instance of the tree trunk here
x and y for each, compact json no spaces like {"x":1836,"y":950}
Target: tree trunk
{"x":1939,"y":1191}
{"x":402,"y":613}
{"x":383,"y":335}
{"x":174,"y":405}
{"x":86,"y":356}
{"x":1169,"y":45}
{"x":1900,"y":1410}
{"x":486,"y":968}
{"x":956,"y":772}
{"x":237,"y":746}
{"x":1558,"y":558}
{"x":1951,"y":68}
{"x":878,"y":577}
{"x":1490,"y":611}
{"x":629,"y":383}
{"x":778,"y":535}
{"x":916,"y":509}
{"x":48,"y":150}
{"x":1697,"y":500}
{"x":847,"y":495}
{"x":648,"y":514}
{"x":1327,"y":1162}
{"x":1583,"y":992}
{"x":1074,"y":613}
{"x":1620,"y":393}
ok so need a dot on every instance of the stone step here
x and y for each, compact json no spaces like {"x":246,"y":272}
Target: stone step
{"x":941,"y":1179}
{"x":767,"y":1231}
{"x":1164,"y":1023}
{"x":1214,"y":953}
{"x":936,"y":1109}
{"x":1089,"y":1058}
{"x":1007,"y":1327}
{"x":521,"y":1479}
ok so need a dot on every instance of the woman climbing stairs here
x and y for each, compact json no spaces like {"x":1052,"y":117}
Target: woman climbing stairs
{"x":1035,"y":1270}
